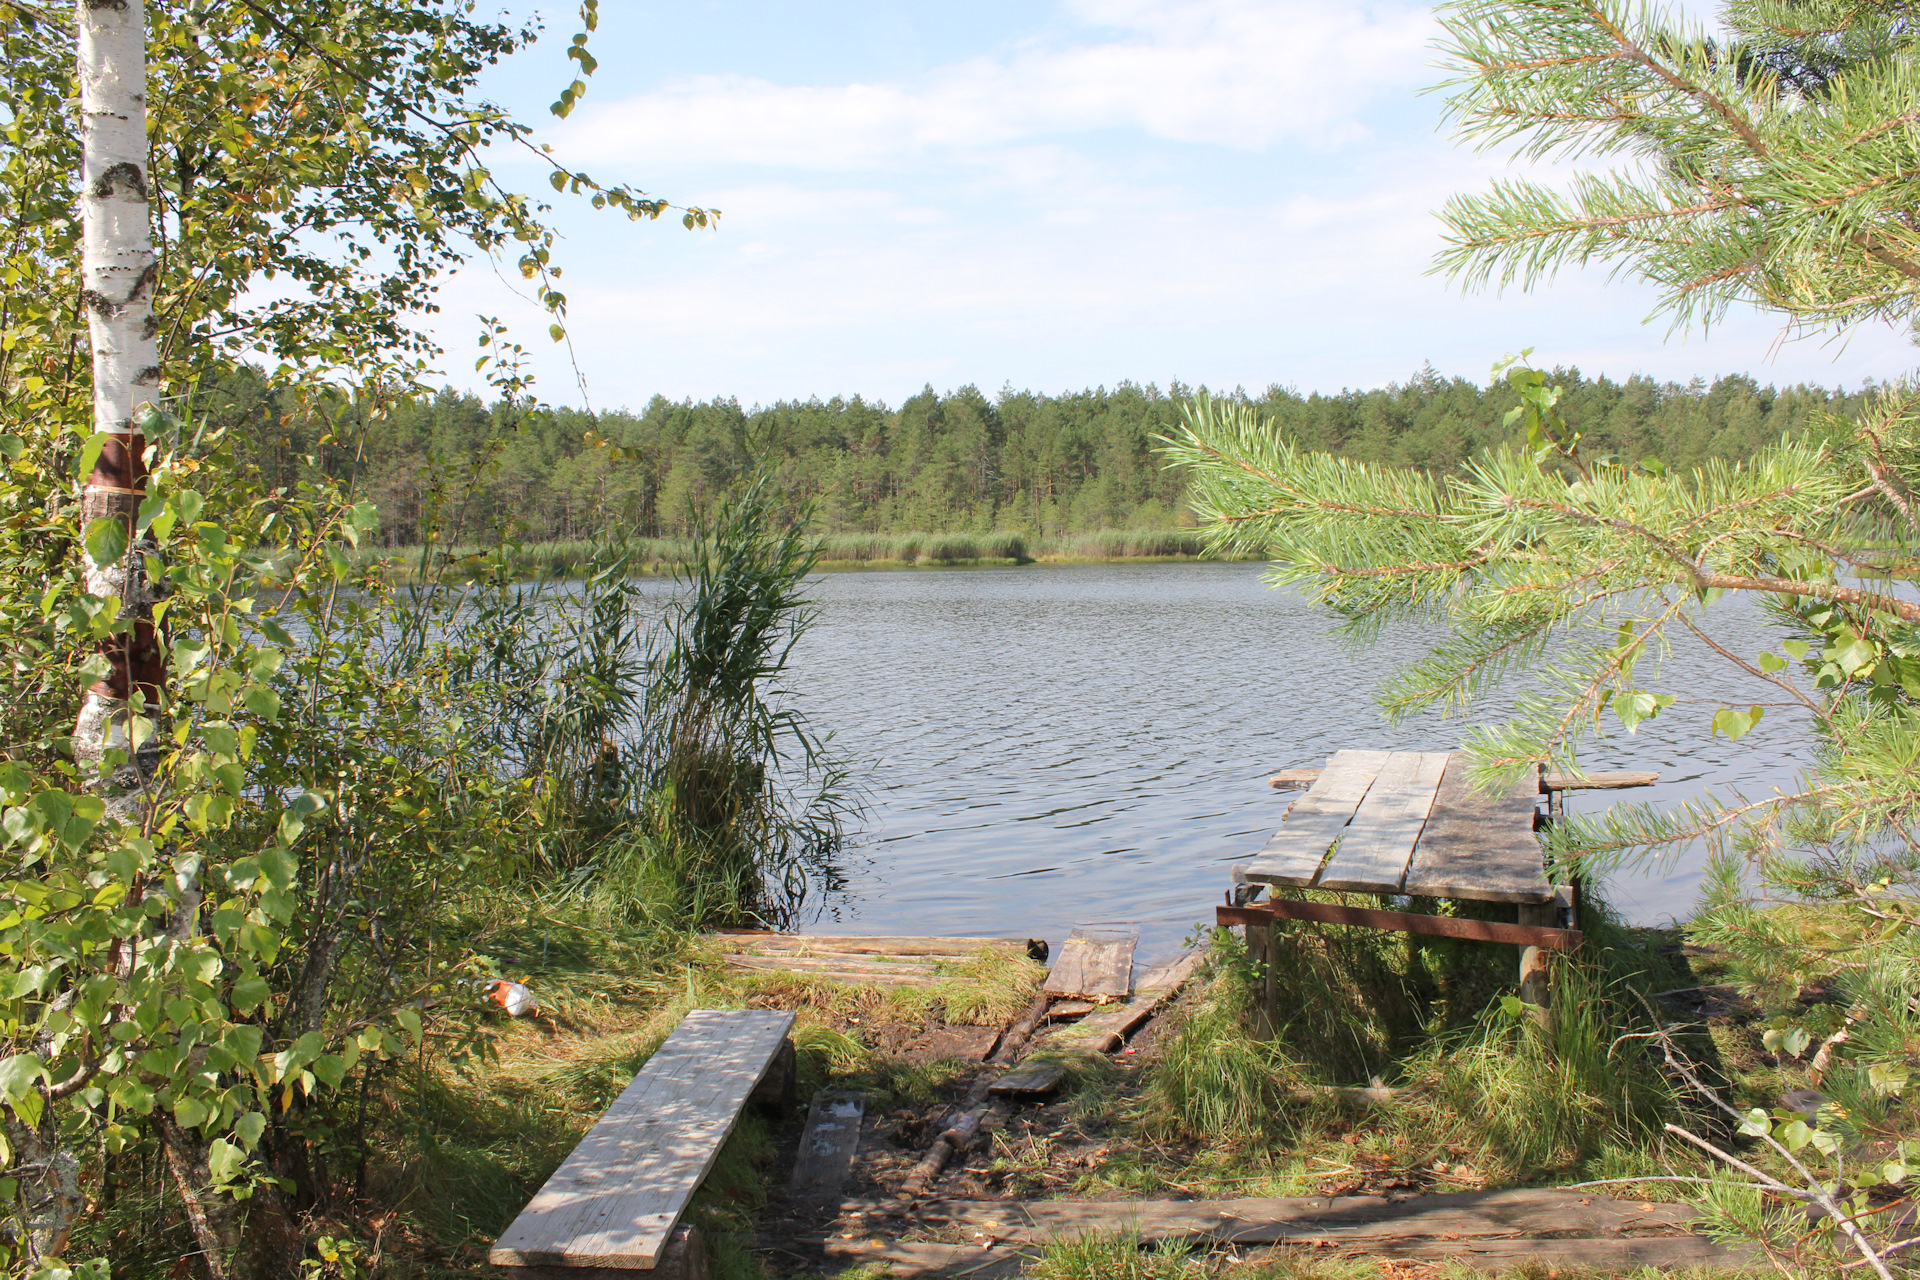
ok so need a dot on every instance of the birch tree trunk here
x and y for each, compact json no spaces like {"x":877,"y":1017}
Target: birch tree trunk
{"x":118,"y":270}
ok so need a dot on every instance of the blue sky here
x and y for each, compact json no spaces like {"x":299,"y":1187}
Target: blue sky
{"x":1047,"y":195}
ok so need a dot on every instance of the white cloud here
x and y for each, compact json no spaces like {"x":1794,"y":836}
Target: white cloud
{"x":1005,"y":219}
{"x":1236,"y":73}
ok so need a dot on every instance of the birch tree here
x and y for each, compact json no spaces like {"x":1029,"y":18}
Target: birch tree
{"x":208,"y":822}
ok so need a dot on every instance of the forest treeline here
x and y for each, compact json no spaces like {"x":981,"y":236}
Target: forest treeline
{"x":963,"y":462}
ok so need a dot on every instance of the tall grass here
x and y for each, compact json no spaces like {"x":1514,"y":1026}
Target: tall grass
{"x":662,"y":773}
{"x":571,"y":558}
{"x":1471,"y":1072}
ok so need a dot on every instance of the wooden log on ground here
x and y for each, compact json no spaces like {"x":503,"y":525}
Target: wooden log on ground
{"x":829,"y":1143}
{"x":956,"y":1139}
{"x":1020,"y":1032}
{"x":1095,"y":964}
{"x":1598,"y":780}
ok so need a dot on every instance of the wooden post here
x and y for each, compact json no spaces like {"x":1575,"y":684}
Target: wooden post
{"x":1534,"y":986}
{"x":1259,"y":952}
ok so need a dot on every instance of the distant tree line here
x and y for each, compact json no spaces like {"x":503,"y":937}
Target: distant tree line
{"x":962,"y":462}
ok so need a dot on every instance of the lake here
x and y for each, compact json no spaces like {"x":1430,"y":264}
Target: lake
{"x":1046,"y":746}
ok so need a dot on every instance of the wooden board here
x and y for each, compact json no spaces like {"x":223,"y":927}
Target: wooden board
{"x":829,"y":1142}
{"x":1294,"y":854}
{"x":1106,"y":1030}
{"x":1478,"y":847}
{"x":999,"y":1262}
{"x":1598,"y":780}
{"x":1616,"y":1253}
{"x":767,"y":943}
{"x":1519,"y":935}
{"x":616,"y":1199}
{"x":1029,"y":1079}
{"x":838,"y":964}
{"x":1095,"y":964}
{"x":1374,"y":849}
{"x":1270,"y":1220}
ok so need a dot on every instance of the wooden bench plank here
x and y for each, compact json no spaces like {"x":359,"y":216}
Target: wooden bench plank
{"x":1376,"y":846}
{"x":616,"y":1199}
{"x":1095,"y":964}
{"x":1480,"y":847}
{"x":1294,"y":854}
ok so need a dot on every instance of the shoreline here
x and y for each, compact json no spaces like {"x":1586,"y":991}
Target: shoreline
{"x":914,"y":552}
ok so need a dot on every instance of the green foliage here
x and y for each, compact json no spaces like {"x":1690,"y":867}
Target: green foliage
{"x":1764,"y":164}
{"x":940,"y":477}
{"x":1215,"y":1081}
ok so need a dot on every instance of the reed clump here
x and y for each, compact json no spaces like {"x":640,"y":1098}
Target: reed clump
{"x":573,"y":558}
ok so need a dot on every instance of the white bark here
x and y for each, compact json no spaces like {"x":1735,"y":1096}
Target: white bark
{"x":118,"y":270}
{"x":117,"y":261}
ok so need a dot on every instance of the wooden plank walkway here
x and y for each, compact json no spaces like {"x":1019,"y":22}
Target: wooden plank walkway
{"x":1480,"y":847}
{"x":1294,"y":854}
{"x":1095,"y":964}
{"x":1107,"y":1029}
{"x":1407,"y":822}
{"x":617,"y":1198}
{"x":1373,"y":851}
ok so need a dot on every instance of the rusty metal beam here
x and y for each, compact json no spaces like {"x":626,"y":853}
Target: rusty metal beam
{"x":1518,"y":935}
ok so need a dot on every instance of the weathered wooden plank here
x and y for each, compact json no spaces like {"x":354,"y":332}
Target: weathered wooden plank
{"x":1479,"y":847}
{"x":1294,"y":779}
{"x":615,"y":1201}
{"x":1294,"y":854}
{"x":1268,"y":1220}
{"x":1106,"y":1030}
{"x":768,"y":942}
{"x":837,"y":963}
{"x":829,"y":1142}
{"x":1030,"y":1078}
{"x":1606,"y":1253}
{"x":1374,"y":849}
{"x":1518,"y":935}
{"x":1095,"y":964}
{"x":833,"y":973}
{"x":1597,"y":780}
{"x":926,"y":1260}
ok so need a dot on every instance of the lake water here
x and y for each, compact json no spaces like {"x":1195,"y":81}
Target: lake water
{"x":1047,"y":746}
